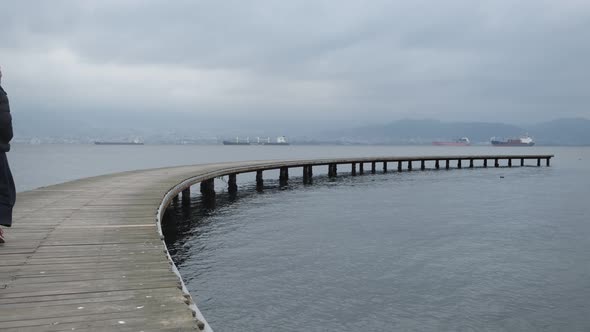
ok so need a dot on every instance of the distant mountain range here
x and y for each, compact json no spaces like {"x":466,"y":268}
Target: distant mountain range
{"x":557,"y":132}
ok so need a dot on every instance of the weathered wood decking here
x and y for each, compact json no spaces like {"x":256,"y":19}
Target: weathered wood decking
{"x":88,"y":255}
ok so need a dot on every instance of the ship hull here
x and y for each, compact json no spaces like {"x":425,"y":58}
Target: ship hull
{"x":235,"y":143}
{"x":498,"y":143}
{"x":450,"y":144}
{"x":117,"y":143}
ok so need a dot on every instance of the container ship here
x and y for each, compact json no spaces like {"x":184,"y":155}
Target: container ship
{"x":522,"y":141}
{"x":463,"y":141}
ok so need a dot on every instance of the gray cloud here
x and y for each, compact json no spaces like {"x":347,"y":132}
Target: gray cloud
{"x":357,"y":61}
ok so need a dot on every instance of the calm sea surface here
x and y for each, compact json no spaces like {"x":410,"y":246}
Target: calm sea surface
{"x":504,"y":249}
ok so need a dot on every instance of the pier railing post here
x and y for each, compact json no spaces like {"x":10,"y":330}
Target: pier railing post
{"x":259,"y":181}
{"x":437,"y":164}
{"x":458,"y":163}
{"x":422,"y":165}
{"x":538,"y":162}
{"x":399,"y":166}
{"x":470,"y":163}
{"x":384,"y":167}
{"x":409,"y":165}
{"x":373,"y":167}
{"x":448,"y":164}
{"x":521,"y":162}
{"x":509,"y":162}
{"x":547,"y":162}
{"x":496,"y":164}
{"x":361,"y":168}
{"x":485,"y":163}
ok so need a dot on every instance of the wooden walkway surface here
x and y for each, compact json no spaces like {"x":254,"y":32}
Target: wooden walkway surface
{"x":87,"y":255}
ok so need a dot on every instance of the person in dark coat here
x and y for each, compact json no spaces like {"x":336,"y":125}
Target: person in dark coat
{"x":7,"y":189}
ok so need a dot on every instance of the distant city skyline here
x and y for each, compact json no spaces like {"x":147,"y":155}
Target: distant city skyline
{"x":304,"y":65}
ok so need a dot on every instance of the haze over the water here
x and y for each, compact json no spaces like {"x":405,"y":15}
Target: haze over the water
{"x":290,"y":64}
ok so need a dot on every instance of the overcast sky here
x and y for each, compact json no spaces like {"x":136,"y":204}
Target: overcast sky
{"x":356,"y":61}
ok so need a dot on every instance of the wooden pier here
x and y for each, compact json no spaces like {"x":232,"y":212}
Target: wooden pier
{"x":89,"y":255}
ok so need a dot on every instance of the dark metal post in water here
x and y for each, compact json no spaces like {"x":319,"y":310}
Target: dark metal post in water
{"x":538,"y":162}
{"x":458,"y":163}
{"x":521,"y":162}
{"x":422,"y":165}
{"x":409,"y":165}
{"x":259,"y":181}
{"x":470,"y":163}
{"x":509,"y":162}
{"x":305,"y":174}
{"x":284,"y":176}
{"x":361,"y":168}
{"x":448,"y":164}
{"x":232,"y":186}
{"x":399,"y":166}
{"x":353,"y":169}
{"x":485,"y":163}
{"x":496,"y":164}
{"x":309,"y":174}
{"x":373,"y":167}
{"x":332,"y":170}
{"x":437,"y":164}
{"x":186,"y":196}
{"x":384,"y":167}
{"x":548,"y":162}
{"x":208,"y":193}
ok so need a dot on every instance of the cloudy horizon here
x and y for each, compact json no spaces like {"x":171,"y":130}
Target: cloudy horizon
{"x":345,"y":62}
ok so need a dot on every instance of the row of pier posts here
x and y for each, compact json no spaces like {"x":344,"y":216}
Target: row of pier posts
{"x":208,"y":186}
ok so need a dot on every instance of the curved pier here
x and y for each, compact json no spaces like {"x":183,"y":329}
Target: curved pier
{"x":89,"y":254}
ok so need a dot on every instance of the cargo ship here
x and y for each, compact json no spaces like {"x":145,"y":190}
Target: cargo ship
{"x":237,"y":142}
{"x":463,"y":141}
{"x":134,"y":142}
{"x":281,"y":140}
{"x":522,"y":141}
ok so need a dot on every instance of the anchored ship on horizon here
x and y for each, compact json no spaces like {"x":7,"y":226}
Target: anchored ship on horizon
{"x":463,"y":141}
{"x":524,"y":140}
{"x":281,"y":140}
{"x":136,"y":141}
